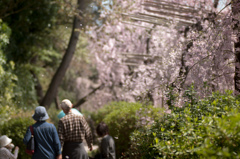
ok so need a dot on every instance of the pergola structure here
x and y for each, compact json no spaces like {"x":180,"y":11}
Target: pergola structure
{"x":162,"y":13}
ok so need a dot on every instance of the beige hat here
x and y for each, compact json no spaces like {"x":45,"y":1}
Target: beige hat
{"x":66,"y":104}
{"x":4,"y":141}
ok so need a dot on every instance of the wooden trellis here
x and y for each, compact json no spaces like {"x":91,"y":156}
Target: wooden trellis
{"x":158,"y":12}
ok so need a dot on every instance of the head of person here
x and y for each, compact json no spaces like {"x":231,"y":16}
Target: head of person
{"x":102,"y":129}
{"x":66,"y":105}
{"x":40,"y":114}
{"x":6,"y":142}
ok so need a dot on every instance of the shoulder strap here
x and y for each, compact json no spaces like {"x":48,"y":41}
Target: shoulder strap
{"x":31,"y":129}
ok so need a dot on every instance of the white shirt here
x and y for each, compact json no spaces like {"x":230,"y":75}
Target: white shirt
{"x":6,"y":154}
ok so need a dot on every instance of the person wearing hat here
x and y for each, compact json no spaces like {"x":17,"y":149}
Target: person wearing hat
{"x":47,"y":143}
{"x":5,"y":148}
{"x":72,"y":130}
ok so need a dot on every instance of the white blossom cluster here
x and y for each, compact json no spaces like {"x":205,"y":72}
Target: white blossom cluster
{"x":143,"y":58}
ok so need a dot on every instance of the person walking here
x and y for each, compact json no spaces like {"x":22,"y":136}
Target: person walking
{"x":6,"y":147}
{"x":47,"y":143}
{"x":107,"y":145}
{"x":72,"y":130}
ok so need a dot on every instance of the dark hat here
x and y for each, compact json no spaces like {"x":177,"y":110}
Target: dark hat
{"x":40,"y":114}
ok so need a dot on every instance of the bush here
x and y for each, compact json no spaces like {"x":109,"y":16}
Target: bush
{"x":123,"y":118}
{"x":201,"y":129}
{"x":16,"y":129}
{"x":16,"y":82}
{"x":223,"y":137}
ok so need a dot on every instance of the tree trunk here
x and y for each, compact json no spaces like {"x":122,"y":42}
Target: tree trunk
{"x":215,"y":4}
{"x":236,"y":32}
{"x":38,"y":87}
{"x":184,"y":70}
{"x":58,"y":77}
{"x":84,"y":99}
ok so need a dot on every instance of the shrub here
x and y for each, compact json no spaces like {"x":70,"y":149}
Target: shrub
{"x":16,"y":82}
{"x":123,"y":118}
{"x":201,"y":129}
{"x":223,"y":137}
{"x":16,"y":129}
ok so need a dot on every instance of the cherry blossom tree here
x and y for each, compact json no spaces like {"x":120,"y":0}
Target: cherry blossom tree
{"x":146,"y":57}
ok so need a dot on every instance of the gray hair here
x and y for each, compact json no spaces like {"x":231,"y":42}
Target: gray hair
{"x":66,"y":104}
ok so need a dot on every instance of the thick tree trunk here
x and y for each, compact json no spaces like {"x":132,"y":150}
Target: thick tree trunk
{"x":236,"y":32}
{"x":58,"y":77}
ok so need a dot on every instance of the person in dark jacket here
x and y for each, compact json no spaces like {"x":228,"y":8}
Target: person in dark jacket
{"x":107,"y":145}
{"x":47,"y":143}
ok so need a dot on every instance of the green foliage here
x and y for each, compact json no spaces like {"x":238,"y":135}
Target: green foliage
{"x":53,"y":112}
{"x":16,"y":86}
{"x":206,"y":128}
{"x":171,"y":97}
{"x":7,"y":81}
{"x":30,"y":24}
{"x":16,"y":129}
{"x":24,"y":92}
{"x":223,"y":138}
{"x":6,"y":113}
{"x":190,"y":95}
{"x":7,"y":77}
{"x":31,"y":46}
{"x":16,"y":83}
{"x":5,"y":33}
{"x":123,"y":118}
